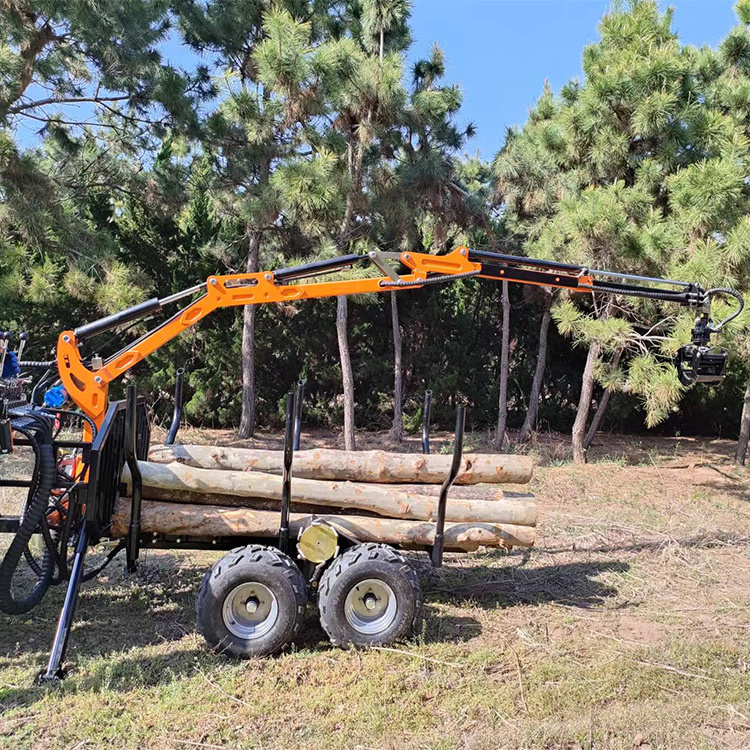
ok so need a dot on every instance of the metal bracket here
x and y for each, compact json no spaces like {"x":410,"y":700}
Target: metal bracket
{"x":378,"y":259}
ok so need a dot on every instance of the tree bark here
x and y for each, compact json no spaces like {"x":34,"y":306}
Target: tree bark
{"x":441,"y":235}
{"x":347,"y":374}
{"x":363,"y":466}
{"x":29,"y":50}
{"x":355,"y":161}
{"x":529,"y":424}
{"x":584,"y":404}
{"x":384,"y":501}
{"x":502,"y":410}
{"x":214,"y":521}
{"x":741,"y":455}
{"x":397,"y":431}
{"x":601,"y":410}
{"x":462,"y":491}
{"x":486,"y":494}
{"x":249,"y":313}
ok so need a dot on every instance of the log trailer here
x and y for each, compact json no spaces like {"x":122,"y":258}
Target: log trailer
{"x":252,"y":600}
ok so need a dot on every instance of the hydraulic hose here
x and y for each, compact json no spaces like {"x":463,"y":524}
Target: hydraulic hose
{"x":730,"y":293}
{"x":36,"y":507}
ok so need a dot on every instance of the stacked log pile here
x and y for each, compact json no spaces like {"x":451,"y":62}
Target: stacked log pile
{"x":368,"y":496}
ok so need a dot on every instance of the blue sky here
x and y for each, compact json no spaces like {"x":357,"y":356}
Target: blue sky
{"x":500,"y":51}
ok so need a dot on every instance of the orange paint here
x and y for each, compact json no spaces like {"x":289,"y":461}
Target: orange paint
{"x":88,"y":389}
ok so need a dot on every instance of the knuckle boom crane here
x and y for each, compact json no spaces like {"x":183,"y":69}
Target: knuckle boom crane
{"x":75,"y":483}
{"x":86,"y":381}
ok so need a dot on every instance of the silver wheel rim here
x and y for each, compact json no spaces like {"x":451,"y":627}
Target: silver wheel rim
{"x":370,"y":606}
{"x":250,"y":611}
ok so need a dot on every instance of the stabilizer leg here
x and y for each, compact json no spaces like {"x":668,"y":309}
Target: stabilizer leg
{"x":54,"y":672}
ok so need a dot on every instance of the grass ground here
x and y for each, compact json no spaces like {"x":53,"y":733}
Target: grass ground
{"x":627,"y":627}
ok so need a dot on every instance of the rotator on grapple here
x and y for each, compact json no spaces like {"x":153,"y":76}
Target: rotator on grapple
{"x":76,"y":480}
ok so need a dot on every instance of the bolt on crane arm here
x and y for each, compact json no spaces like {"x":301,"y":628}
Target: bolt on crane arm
{"x":87,"y":381}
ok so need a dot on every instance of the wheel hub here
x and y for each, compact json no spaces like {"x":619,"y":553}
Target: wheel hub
{"x":370,"y":606}
{"x":250,"y":610}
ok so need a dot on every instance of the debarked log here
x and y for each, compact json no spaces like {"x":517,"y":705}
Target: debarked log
{"x":476,"y":492}
{"x":176,"y":478}
{"x":359,"y":466}
{"x":215,"y":521}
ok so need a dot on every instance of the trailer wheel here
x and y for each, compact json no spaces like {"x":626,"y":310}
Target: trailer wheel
{"x":370,"y":596}
{"x":251,"y":602}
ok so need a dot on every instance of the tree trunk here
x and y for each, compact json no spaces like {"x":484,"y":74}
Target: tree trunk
{"x":441,"y":232}
{"x":502,"y":411}
{"x":355,"y":160}
{"x":584,"y":404}
{"x":374,"y":498}
{"x":601,"y":410}
{"x":397,"y":431}
{"x":347,"y":374}
{"x":741,"y":455}
{"x":529,"y":424}
{"x":29,"y":51}
{"x":361,"y":466}
{"x":247,"y":421}
{"x":214,"y":521}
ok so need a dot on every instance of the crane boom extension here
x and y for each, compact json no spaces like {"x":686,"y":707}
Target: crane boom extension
{"x":87,"y":381}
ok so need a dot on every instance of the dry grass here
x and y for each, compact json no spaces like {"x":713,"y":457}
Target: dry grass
{"x":627,"y":627}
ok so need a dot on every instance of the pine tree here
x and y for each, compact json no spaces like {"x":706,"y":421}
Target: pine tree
{"x":366,"y":93}
{"x":411,"y":195}
{"x":270,"y":95}
{"x":57,"y":248}
{"x":617,"y":172}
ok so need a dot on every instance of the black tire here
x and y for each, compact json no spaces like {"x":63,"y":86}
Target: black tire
{"x":273,"y":585}
{"x":376,"y":572}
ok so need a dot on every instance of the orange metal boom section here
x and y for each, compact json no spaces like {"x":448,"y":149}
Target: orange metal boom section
{"x":88,"y":388}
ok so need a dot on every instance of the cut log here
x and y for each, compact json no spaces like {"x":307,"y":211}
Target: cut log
{"x":359,"y":466}
{"x":490,"y":493}
{"x":478,"y":492}
{"x":214,"y":521}
{"x":176,"y":478}
{"x":254,"y":503}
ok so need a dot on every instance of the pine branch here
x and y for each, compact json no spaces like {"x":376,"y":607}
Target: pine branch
{"x":81,"y":123}
{"x":66,"y":100}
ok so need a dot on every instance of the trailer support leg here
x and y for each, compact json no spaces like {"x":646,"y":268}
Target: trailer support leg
{"x":54,"y":672}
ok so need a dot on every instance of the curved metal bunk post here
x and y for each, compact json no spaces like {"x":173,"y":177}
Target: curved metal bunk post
{"x":426,"y":409}
{"x":177,"y":415}
{"x":298,"y":412}
{"x":286,"y":487}
{"x":458,"y":450}
{"x":131,"y":450}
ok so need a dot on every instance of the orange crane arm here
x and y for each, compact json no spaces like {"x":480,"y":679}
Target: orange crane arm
{"x":87,"y":381}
